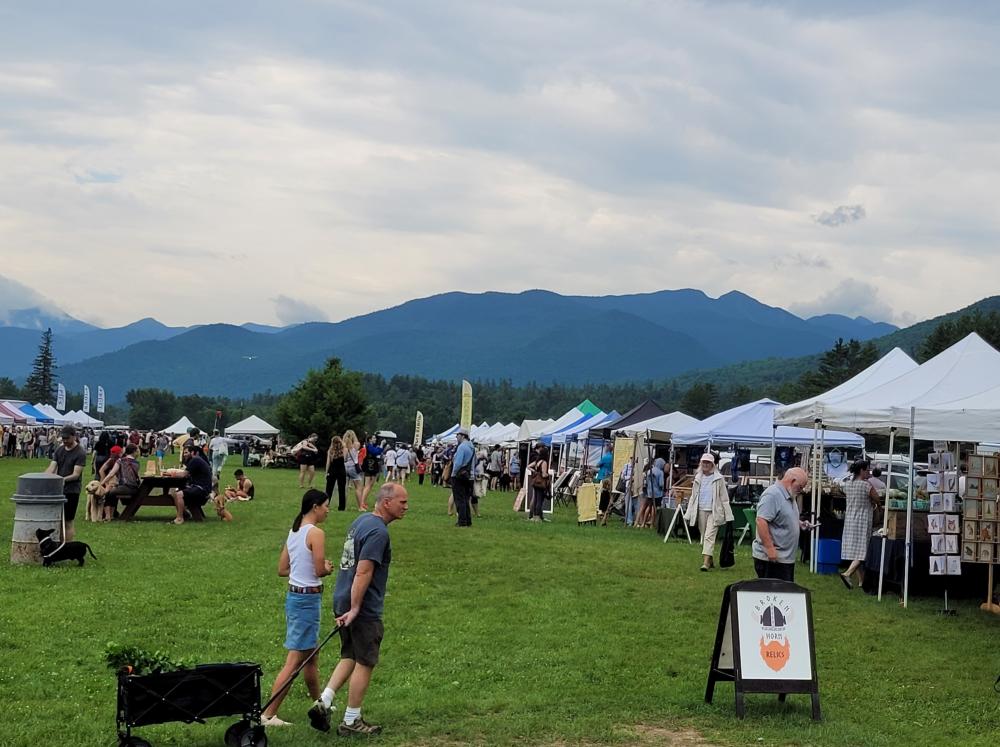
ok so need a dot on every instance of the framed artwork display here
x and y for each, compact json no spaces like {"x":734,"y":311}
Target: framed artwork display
{"x":973,"y":486}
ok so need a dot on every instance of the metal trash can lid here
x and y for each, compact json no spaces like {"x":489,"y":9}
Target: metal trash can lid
{"x":38,"y":486}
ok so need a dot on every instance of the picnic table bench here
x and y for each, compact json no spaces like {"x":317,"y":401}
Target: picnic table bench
{"x":146,"y":496}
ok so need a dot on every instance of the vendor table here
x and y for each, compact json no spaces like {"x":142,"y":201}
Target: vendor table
{"x":146,"y":496}
{"x":969,"y":585}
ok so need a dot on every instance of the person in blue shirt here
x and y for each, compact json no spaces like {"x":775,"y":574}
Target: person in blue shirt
{"x":461,"y":478}
{"x":604,"y":466}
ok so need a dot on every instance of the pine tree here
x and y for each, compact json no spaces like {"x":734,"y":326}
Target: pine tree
{"x":41,"y":383}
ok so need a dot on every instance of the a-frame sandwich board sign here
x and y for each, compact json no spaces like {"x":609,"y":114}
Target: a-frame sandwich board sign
{"x":765,"y":643}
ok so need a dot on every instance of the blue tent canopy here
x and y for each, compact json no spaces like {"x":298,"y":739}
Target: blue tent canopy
{"x":38,"y":415}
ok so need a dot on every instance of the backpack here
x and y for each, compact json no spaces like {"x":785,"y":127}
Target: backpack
{"x":128,"y":474}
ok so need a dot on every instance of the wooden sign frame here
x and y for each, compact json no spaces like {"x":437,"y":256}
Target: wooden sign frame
{"x":727,"y":664}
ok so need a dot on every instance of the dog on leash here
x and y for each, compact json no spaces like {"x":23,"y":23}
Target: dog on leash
{"x":52,"y":553}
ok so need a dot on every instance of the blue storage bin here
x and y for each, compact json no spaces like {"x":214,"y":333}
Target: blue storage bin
{"x":828,"y":556}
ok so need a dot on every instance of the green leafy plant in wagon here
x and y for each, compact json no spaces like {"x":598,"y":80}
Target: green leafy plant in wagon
{"x":137,"y":660}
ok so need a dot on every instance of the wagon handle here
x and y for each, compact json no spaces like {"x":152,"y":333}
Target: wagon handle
{"x":290,"y":680}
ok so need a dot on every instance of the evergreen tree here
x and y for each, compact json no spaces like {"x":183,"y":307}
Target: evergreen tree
{"x":950,"y":331}
{"x":837,"y":365}
{"x":700,"y":400}
{"x":41,"y":383}
{"x":324,"y":402}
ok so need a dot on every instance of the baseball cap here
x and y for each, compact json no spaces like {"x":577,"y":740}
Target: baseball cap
{"x":116,"y":450}
{"x":707,"y":457}
{"x":463,"y":432}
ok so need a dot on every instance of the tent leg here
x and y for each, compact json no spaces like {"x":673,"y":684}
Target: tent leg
{"x":812,"y":495}
{"x":885,"y":514}
{"x":909,"y":517}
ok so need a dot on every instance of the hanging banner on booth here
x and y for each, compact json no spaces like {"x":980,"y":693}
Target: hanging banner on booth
{"x":61,"y":398}
{"x":418,"y":429}
{"x":86,"y":398}
{"x":465,"y":421}
{"x":765,"y":643}
{"x":100,"y":399}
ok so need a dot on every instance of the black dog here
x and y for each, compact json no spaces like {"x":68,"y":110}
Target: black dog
{"x":52,"y":553}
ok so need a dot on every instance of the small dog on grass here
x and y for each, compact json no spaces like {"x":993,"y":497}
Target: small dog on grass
{"x":52,"y":553}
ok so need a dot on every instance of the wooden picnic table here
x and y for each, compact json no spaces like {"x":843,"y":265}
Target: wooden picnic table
{"x":147,"y":497}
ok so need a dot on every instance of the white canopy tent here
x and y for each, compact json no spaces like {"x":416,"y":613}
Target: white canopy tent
{"x":77,"y":417}
{"x":573,"y":415}
{"x":662,"y":427}
{"x":890,"y":367}
{"x":753,"y":423}
{"x":57,"y":417}
{"x":529,"y":430}
{"x":502,"y":434}
{"x":445,"y":434}
{"x":252,"y":426}
{"x":181,"y":426}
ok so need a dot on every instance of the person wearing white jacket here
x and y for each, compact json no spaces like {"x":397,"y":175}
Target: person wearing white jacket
{"x":708,"y":507}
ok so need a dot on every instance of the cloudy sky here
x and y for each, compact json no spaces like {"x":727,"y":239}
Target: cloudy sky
{"x":282,"y":161}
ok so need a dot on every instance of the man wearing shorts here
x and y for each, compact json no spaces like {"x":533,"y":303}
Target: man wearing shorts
{"x":358,"y":600}
{"x":68,"y":462}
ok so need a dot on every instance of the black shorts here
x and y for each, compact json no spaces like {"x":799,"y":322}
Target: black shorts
{"x":361,"y":640}
{"x":72,"y":502}
{"x":194,"y":495}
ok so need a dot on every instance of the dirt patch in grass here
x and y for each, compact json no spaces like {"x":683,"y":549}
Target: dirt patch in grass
{"x":643,"y":735}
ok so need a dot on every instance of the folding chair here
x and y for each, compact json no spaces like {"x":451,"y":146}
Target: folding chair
{"x":750,"y":517}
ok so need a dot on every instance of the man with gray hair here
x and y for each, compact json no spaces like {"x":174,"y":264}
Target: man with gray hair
{"x":358,"y":599}
{"x":461,"y":477}
{"x":778,"y":526}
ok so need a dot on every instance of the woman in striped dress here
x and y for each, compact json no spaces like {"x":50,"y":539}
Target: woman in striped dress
{"x":861,"y":497}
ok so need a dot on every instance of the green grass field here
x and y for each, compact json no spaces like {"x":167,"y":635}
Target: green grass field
{"x":511,"y":633}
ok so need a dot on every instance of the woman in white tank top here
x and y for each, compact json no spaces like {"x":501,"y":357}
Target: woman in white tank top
{"x":303,"y":561}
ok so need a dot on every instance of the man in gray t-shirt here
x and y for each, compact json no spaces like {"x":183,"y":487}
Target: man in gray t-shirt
{"x":357,"y":603}
{"x":68,"y":462}
{"x":778,"y":527}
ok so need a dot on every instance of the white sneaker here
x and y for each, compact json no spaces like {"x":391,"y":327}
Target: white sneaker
{"x":274,"y":721}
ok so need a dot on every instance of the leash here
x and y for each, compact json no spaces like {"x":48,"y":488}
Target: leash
{"x":63,"y":544}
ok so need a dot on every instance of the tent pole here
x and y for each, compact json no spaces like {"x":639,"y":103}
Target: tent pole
{"x":819,"y":491}
{"x":885,"y":514}
{"x":909,"y":516}
{"x":812,"y":494}
{"x":774,"y":431}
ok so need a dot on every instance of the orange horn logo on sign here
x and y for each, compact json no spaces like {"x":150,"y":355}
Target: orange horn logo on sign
{"x":774,"y":654}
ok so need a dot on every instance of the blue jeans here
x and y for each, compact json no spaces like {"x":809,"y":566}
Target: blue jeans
{"x":631,"y":509}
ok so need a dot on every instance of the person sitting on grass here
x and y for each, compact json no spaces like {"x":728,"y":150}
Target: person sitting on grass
{"x":198,"y":490}
{"x":303,"y":562}
{"x":243,"y":490}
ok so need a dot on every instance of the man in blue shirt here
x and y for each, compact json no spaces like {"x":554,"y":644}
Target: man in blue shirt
{"x":358,"y":599}
{"x":604,"y":466}
{"x":461,"y":478}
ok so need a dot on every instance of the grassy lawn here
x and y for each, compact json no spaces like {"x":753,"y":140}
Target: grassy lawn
{"x":511,"y":633}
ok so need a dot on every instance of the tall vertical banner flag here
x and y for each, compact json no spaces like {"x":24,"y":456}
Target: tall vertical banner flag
{"x":465,"y":421}
{"x":86,"y":398}
{"x":61,"y":398}
{"x":418,"y":429}
{"x":100,"y":399}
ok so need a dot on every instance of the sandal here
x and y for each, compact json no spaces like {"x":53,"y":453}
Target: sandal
{"x":846,"y":580}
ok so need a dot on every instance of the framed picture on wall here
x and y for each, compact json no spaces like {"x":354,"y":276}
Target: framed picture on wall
{"x":954,"y":565}
{"x":938,"y":544}
{"x":951,"y":544}
{"x":986,"y":531}
{"x":937,"y":503}
{"x":969,"y":552}
{"x":988,"y":487}
{"x":939,"y":564}
{"x":935,"y":523}
{"x":988,"y":510}
{"x":975,"y":466}
{"x":951,"y":524}
{"x":970,"y":530}
{"x":934,"y":461}
{"x":985,"y":552}
{"x":973,"y":487}
{"x":970,"y":508}
{"x":948,"y":502}
{"x":990,"y":467}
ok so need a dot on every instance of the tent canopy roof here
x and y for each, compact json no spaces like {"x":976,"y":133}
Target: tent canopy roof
{"x":252,"y":426}
{"x":181,"y":426}
{"x":753,"y":423}
{"x":953,"y":395}
{"x":890,"y":367}
{"x":646,"y":410}
{"x":662,"y":427}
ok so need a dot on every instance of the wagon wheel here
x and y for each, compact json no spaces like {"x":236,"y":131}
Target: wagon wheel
{"x":235,"y":732}
{"x":254,"y":737}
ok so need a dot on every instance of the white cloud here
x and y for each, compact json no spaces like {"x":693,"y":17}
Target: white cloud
{"x":358,"y":155}
{"x":292,"y":311}
{"x":851,"y":298}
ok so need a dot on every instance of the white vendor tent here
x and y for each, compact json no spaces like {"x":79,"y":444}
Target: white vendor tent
{"x":529,"y":430}
{"x":57,"y":417}
{"x":252,"y":426}
{"x":753,"y":423}
{"x":574,"y":415}
{"x":181,"y":426}
{"x":890,"y":367}
{"x":445,"y":434}
{"x":502,"y":434}
{"x":78,"y":417}
{"x":662,"y":427}
{"x":952,"y":395}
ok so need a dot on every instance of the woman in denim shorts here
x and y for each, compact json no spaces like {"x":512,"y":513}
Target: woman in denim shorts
{"x":303,"y":561}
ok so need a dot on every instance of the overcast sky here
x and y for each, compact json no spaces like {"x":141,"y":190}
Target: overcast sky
{"x":285,"y":161}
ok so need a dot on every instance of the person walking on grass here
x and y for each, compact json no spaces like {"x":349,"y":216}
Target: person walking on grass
{"x":461,"y":478}
{"x":307,"y":455}
{"x":862,"y":497}
{"x":303,"y":562}
{"x":358,"y":601}
{"x":778,"y":526}
{"x":708,"y":507}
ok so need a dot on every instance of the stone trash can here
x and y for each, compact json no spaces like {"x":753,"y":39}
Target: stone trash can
{"x":38,"y":504}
